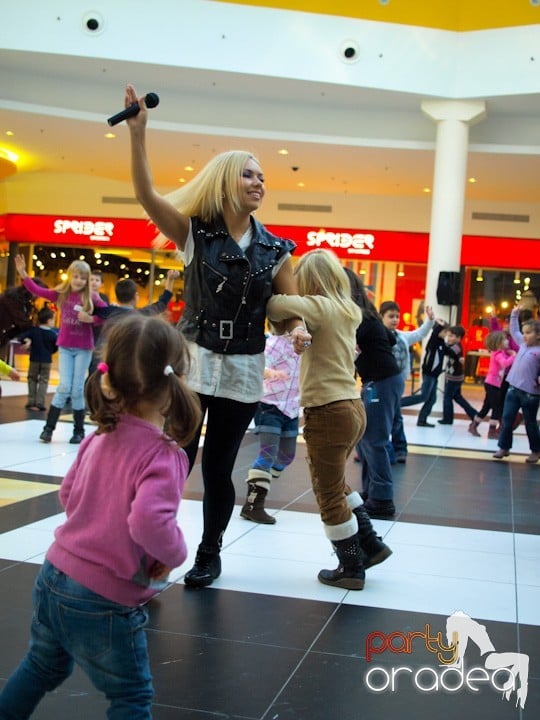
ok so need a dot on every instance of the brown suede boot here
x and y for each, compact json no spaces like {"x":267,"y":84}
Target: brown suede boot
{"x":493,"y":432}
{"x":253,"y":509}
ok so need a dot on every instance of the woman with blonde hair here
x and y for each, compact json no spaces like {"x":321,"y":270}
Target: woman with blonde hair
{"x":334,"y":415}
{"x":75,"y":341}
{"x":232,"y":266}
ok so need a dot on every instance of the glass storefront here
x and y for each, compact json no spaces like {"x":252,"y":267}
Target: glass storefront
{"x":498,"y":291}
{"x":392,"y":264}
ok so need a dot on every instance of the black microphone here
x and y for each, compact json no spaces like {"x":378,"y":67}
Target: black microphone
{"x":151,"y":100}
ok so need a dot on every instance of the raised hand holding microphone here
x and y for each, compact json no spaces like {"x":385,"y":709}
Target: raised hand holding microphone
{"x":151,"y":100}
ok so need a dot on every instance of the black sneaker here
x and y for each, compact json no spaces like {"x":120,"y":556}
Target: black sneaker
{"x":424,"y":424}
{"x":206,"y":569}
{"x":76,"y":438}
{"x":380,"y":508}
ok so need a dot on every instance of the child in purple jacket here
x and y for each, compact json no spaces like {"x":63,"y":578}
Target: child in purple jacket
{"x":523,"y":388}
{"x":120,"y":537}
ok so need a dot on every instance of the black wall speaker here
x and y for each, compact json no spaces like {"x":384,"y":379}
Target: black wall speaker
{"x":448,"y":290}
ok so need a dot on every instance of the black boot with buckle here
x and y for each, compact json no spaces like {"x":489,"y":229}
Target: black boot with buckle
{"x":375,"y":550}
{"x":349,"y":574}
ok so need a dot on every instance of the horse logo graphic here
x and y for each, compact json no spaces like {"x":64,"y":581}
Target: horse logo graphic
{"x":462,"y":626}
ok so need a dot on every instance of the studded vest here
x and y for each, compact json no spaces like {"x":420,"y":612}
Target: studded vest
{"x":226,"y":289}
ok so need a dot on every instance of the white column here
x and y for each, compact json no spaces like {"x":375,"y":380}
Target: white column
{"x":453,"y":118}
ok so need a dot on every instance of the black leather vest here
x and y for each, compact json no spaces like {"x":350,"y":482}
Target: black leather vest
{"x":226,"y":290}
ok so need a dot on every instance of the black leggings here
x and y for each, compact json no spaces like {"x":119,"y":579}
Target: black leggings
{"x":492,"y":402}
{"x":226,"y":425}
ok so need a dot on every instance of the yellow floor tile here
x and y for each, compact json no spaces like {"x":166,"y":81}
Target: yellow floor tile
{"x":12,"y":491}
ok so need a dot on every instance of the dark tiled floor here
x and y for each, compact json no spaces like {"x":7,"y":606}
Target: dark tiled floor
{"x":267,"y":642}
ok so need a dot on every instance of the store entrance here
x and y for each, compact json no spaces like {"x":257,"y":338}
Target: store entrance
{"x":148,"y":268}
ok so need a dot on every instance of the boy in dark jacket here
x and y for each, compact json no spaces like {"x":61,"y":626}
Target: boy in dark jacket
{"x":432,"y":367}
{"x":41,"y":341}
{"x":454,"y":377}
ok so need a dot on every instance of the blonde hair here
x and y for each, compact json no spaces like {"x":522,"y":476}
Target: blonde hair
{"x":319,"y":272}
{"x":64,"y":288}
{"x":219,"y":179}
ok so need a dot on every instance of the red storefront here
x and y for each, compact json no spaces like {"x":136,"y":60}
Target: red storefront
{"x":395,"y":261}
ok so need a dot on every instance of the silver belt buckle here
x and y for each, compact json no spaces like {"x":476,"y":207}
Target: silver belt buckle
{"x":225,"y":329}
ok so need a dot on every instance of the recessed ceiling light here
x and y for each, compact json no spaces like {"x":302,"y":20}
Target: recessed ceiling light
{"x":426,"y":190}
{"x":110,"y":136}
{"x":472,"y":180}
{"x":188,"y":168}
{"x":300,"y":184}
{"x":283,"y":151}
{"x":10,"y":133}
{"x":181,"y":180}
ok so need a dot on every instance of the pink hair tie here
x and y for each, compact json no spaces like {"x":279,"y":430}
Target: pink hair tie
{"x":103,"y":368}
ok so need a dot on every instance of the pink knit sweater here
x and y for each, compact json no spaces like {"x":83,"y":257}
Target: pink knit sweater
{"x":121,"y":497}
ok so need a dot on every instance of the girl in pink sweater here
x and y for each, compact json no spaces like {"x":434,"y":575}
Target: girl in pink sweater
{"x":121,"y":536}
{"x":500,"y":360}
{"x":75,"y":341}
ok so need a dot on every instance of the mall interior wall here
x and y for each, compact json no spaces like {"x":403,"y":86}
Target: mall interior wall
{"x":45,"y":193}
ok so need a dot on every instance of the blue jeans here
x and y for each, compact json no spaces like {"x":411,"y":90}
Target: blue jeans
{"x":452,"y":394}
{"x":72,"y":624}
{"x":427,"y":395}
{"x":397,"y":446}
{"x":269,"y":418}
{"x":277,"y":438}
{"x":430,"y":390}
{"x":381,"y":401}
{"x":514,"y":400}
{"x":72,"y":369}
